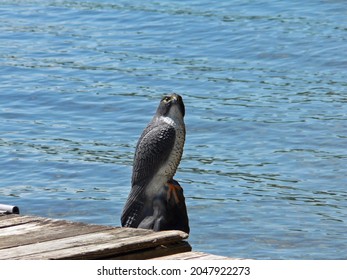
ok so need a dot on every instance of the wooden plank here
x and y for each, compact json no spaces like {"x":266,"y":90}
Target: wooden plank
{"x":94,"y":245}
{"x":73,"y":242}
{"x":194,"y":256}
{"x":116,"y":246}
{"x":32,"y":230}
{"x":30,"y":237}
{"x":10,"y":220}
{"x":5,"y":217}
{"x":156,"y":252}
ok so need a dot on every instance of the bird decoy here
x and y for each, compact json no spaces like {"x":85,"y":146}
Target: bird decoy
{"x":156,"y":200}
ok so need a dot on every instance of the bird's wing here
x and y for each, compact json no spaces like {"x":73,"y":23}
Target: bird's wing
{"x":152,"y":151}
{"x":134,"y":208}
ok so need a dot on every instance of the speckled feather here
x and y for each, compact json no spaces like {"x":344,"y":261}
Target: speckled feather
{"x":152,"y":151}
{"x":157,"y":156}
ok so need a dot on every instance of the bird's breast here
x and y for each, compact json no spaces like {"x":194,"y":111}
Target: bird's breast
{"x":169,"y":168}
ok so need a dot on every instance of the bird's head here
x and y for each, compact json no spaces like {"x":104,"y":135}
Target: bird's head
{"x":171,"y":106}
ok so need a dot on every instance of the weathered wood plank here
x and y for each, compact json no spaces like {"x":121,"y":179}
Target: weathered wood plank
{"x":5,"y":217}
{"x":30,"y":237}
{"x":104,"y":246}
{"x":35,"y":230}
{"x":70,"y":242}
{"x":134,"y":245}
{"x":10,"y":220}
{"x":156,"y":252}
{"x":94,"y":245}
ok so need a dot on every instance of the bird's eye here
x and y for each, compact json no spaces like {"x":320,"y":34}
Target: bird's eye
{"x":166,"y":99}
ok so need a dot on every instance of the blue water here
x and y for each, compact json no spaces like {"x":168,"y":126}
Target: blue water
{"x":265,"y":86}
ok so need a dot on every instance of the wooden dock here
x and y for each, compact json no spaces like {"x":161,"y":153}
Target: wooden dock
{"x":31,"y":237}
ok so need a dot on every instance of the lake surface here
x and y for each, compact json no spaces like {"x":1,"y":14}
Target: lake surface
{"x":264,"y":168}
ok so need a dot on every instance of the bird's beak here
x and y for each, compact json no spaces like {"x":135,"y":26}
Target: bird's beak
{"x":177,"y":100}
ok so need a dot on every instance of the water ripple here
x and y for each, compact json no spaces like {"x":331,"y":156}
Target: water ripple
{"x":265,"y":91}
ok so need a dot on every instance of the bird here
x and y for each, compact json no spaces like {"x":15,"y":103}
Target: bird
{"x":156,"y":200}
